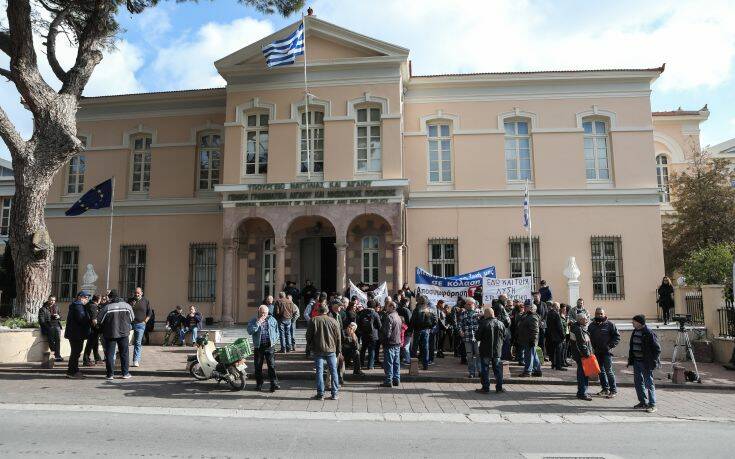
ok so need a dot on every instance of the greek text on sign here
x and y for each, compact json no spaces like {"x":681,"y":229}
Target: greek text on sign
{"x":517,"y":288}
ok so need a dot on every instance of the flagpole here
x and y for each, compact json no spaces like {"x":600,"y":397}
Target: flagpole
{"x":306,"y":108}
{"x":530,"y":239}
{"x":109,"y":239}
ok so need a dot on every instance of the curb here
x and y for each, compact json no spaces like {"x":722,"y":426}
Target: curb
{"x":291,"y":376}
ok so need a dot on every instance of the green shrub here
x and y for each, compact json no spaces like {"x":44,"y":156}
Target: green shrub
{"x":18,"y":322}
{"x":711,"y":265}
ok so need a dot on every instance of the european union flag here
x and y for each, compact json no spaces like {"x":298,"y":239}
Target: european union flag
{"x":98,"y":197}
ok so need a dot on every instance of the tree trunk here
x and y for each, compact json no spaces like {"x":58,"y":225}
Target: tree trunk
{"x":32,"y":263}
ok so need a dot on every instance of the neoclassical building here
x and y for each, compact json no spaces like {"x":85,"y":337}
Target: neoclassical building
{"x":218,"y":200}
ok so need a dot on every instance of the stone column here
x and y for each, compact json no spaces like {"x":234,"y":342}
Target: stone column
{"x":397,"y":265}
{"x":228,"y":281}
{"x":341,"y":246}
{"x":572,"y":273}
{"x":280,"y":264}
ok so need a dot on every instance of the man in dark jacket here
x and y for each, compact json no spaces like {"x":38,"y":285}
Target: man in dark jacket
{"x":174,"y":321}
{"x":390,"y":333}
{"x":50,"y":322}
{"x":499,"y":310}
{"x":581,"y":347}
{"x":191,"y":324}
{"x":542,"y":310}
{"x":368,"y":325}
{"x":556,"y":336}
{"x":292,"y":290}
{"x":527,"y":333}
{"x":491,"y":333}
{"x":324,"y":340}
{"x":605,"y":337}
{"x":93,"y":341}
{"x":644,"y":355}
{"x":405,"y":312}
{"x":78,"y":328}
{"x":422,"y":321}
{"x":115,"y":319}
{"x":142,"y":312}
{"x":308,"y":293}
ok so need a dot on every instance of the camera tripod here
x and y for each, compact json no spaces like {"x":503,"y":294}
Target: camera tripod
{"x":682,"y":342}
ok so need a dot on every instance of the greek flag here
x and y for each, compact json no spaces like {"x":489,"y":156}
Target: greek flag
{"x":285,"y":50}
{"x":526,"y":209}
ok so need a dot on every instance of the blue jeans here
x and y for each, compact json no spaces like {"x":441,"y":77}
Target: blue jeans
{"x":643,"y":381}
{"x":406,"y":351}
{"x":331,"y":359}
{"x":531,"y":363}
{"x":607,"y":375}
{"x":392,"y":364}
{"x":497,"y":365}
{"x":138,"y":332}
{"x":424,"y":346}
{"x":285,"y":326}
{"x":293,"y":335}
{"x":194,"y":333}
{"x":472,"y":351}
{"x":583,"y":381}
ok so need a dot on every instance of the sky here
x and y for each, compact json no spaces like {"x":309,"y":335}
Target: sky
{"x":174,"y":45}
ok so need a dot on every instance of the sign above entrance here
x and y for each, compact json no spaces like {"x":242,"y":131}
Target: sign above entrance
{"x":314,"y":193}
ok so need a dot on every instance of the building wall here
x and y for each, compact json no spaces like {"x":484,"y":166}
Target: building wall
{"x":483,"y":235}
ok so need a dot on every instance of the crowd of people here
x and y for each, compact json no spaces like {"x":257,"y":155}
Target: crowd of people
{"x":345,"y":332}
{"x":342,"y":332}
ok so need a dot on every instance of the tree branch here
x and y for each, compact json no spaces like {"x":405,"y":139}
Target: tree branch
{"x":9,"y":134}
{"x":6,"y":74}
{"x":5,"y":42}
{"x":53,"y":30}
{"x":88,"y":53}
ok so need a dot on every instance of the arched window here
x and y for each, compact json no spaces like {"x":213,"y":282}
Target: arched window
{"x":369,"y":151}
{"x":370,"y":259}
{"x":662,"y":177}
{"x":210,"y":156}
{"x":256,"y":144}
{"x":140,"y":170}
{"x":596,"y":151}
{"x":269,"y":267}
{"x":312,"y":160}
{"x":75,"y":174}
{"x":440,"y":152}
{"x":517,"y":150}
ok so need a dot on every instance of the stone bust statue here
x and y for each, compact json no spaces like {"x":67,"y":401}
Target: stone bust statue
{"x":89,"y":278}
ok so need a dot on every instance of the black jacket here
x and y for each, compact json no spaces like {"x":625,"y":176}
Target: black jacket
{"x":390,"y":331}
{"x":78,"y":325}
{"x":490,"y":333}
{"x":422,"y":319}
{"x":542,"y":310}
{"x":580,"y":345}
{"x":527,"y":329}
{"x":404,"y":312}
{"x":368,"y":324}
{"x":604,"y":336}
{"x":651,"y":349}
{"x":46,"y":320}
{"x":115,"y":319}
{"x":501,"y":314}
{"x":554,"y":327}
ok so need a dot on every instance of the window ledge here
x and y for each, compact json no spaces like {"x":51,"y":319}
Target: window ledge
{"x":369,"y":175}
{"x":315,"y":177}
{"x":253,"y":178}
{"x":443,"y":186}
{"x":600,"y":184}
{"x":71,"y":197}
{"x":138,"y":195}
{"x":206,"y":193}
{"x":518,"y":184}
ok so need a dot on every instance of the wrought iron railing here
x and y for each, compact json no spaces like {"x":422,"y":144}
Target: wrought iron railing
{"x":694,"y":306}
{"x":727,"y":320}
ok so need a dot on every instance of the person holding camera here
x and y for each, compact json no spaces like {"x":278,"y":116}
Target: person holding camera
{"x":50,"y":322}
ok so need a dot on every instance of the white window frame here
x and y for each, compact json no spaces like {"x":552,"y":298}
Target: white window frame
{"x":7,"y":204}
{"x":313,"y":129}
{"x":516,"y":138}
{"x":256,"y":130}
{"x":146,"y":154}
{"x":439,"y":138}
{"x":75,"y":179}
{"x":443,"y":260}
{"x":596,"y":139}
{"x":370,"y":259}
{"x":268,"y":287}
{"x":662,"y":178}
{"x":372,"y":151}
{"x":211,"y":150}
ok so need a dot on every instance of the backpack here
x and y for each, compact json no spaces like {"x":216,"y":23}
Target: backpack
{"x":365,"y":324}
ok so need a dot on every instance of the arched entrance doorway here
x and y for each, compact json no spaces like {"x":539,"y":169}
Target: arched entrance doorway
{"x":311,"y":253}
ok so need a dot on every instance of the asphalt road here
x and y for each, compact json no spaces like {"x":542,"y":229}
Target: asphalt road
{"x":33,"y":433}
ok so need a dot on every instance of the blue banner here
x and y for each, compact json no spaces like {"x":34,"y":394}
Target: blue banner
{"x":449,"y":288}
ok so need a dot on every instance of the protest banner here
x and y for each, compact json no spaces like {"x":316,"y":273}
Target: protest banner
{"x":517,"y":288}
{"x":449,"y":288}
{"x":379,"y":294}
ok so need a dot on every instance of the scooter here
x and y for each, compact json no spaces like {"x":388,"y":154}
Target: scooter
{"x":222,"y":364}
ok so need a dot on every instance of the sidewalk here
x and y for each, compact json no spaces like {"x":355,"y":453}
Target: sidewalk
{"x":171,"y":362}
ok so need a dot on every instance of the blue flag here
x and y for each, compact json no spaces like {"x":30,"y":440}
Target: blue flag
{"x":285,"y":50}
{"x":98,"y":197}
